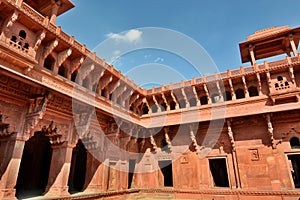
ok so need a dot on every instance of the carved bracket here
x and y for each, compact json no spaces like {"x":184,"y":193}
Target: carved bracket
{"x":274,"y":142}
{"x":53,"y":135}
{"x":10,"y":22}
{"x":37,"y":109}
{"x":4,"y":127}
{"x":230,"y":135}
{"x":193,"y":137}
{"x":167,"y":138}
{"x":152,"y":141}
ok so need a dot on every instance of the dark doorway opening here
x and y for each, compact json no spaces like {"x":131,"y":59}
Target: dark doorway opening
{"x":35,"y":165}
{"x":166,"y":169}
{"x":295,"y":161}
{"x":218,"y":171}
{"x":78,"y":168}
{"x":131,"y":172}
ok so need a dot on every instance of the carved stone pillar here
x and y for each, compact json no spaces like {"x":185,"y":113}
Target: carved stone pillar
{"x":251,"y":51}
{"x":10,"y":158}
{"x":292,"y":42}
{"x":55,"y":7}
{"x":94,"y":173}
{"x":59,"y":170}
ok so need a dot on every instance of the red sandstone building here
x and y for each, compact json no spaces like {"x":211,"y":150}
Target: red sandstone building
{"x":232,"y":135}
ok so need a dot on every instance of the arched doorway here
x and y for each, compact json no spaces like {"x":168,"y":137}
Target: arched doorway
{"x":35,"y":166}
{"x":78,"y":168}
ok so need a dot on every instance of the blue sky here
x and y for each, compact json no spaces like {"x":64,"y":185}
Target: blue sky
{"x":218,"y":26}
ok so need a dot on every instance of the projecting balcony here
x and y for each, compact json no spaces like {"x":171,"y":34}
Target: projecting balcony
{"x":17,"y":52}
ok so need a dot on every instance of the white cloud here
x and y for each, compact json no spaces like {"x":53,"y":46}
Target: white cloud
{"x":159,"y":59}
{"x":132,"y":35}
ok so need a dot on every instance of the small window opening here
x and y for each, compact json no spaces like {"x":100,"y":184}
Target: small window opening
{"x":22,"y":34}
{"x":167,"y":172}
{"x":287,"y":83}
{"x":295,"y":143}
{"x":279,"y":78}
{"x":73,"y":76}
{"x":172,"y":105}
{"x":49,"y":63}
{"x":252,"y":91}
{"x":145,"y":109}
{"x":13,"y":38}
{"x":218,"y":171}
{"x":240,"y":94}
{"x":62,"y":71}
{"x":26,"y":46}
{"x":227,"y":96}
{"x":203,"y":100}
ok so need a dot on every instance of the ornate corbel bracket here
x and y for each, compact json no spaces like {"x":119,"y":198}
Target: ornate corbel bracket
{"x":10,"y":22}
{"x":274,"y":142}
{"x":37,"y":110}
{"x":167,"y":138}
{"x":192,"y":129}
{"x":230,"y":134}
{"x":4,"y":128}
{"x":53,"y":134}
{"x":39,"y":40}
{"x":152,"y":141}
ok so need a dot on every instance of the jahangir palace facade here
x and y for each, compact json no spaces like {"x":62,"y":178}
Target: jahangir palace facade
{"x":74,"y":127}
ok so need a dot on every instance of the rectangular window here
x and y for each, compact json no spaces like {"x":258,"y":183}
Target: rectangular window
{"x":166,"y":169}
{"x":218,"y":169}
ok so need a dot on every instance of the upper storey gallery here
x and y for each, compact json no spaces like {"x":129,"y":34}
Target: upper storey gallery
{"x":31,"y":44}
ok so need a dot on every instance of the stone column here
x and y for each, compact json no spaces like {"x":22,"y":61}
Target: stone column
{"x":292,"y":42}
{"x":12,"y":150}
{"x":251,"y":51}
{"x":55,"y":7}
{"x":94,"y":173}
{"x":59,"y":170}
